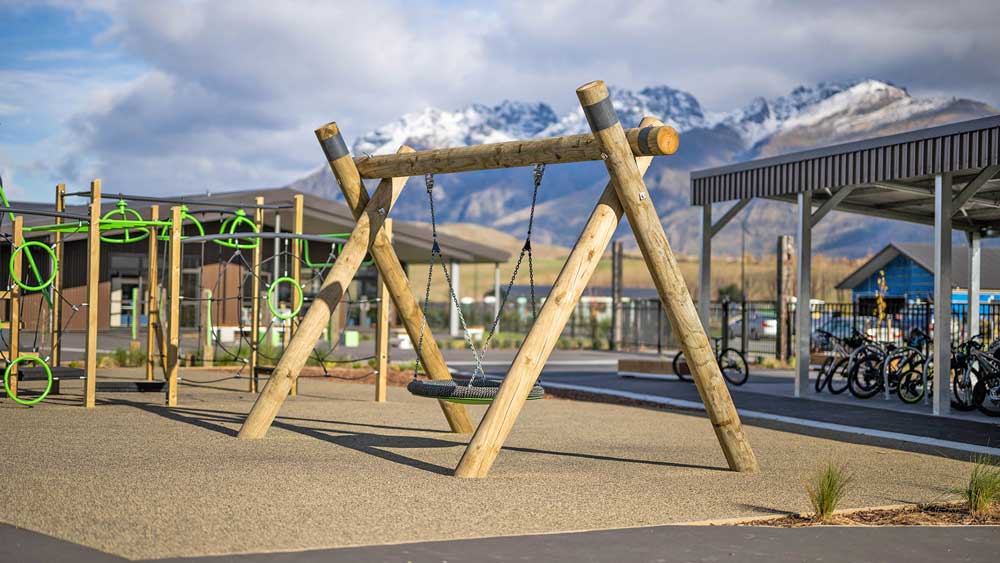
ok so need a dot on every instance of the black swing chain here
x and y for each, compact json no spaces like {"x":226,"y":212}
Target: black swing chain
{"x":538,"y":173}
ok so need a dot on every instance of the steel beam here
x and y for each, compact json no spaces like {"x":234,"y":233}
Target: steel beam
{"x":942,"y":292}
{"x":729,"y":215}
{"x":803,"y":328}
{"x":705,"y":266}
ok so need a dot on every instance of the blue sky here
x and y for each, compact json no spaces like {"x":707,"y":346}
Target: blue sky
{"x":187,"y":96}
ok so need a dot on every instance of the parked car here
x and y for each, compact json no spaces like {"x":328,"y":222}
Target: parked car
{"x":758,"y":326}
{"x":843,"y":327}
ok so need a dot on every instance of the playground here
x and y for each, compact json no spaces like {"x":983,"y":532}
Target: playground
{"x":257,"y":443}
{"x":140,"y":480}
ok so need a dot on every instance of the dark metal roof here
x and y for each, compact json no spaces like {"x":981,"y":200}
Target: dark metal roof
{"x":923,"y":256}
{"x":412,"y":241}
{"x":892,"y":177}
{"x":957,"y":147}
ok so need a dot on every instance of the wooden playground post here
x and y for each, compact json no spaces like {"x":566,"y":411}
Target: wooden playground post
{"x":208,"y":344}
{"x":662,"y":265}
{"x":391,"y":270}
{"x":382,"y":331}
{"x":293,"y":359}
{"x":297,"y":228}
{"x":152,"y":297}
{"x":174,"y":314}
{"x":56,"y":289}
{"x":93,"y":285}
{"x":15,"y":301}
{"x":258,"y":221}
{"x":541,"y":339}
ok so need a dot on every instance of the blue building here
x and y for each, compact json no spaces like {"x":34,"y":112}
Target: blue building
{"x":909,"y":274}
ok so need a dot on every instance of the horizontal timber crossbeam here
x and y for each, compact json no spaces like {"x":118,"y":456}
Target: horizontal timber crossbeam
{"x":645,"y":141}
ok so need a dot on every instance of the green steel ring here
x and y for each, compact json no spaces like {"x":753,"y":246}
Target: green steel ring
{"x":185,"y":216}
{"x":229,"y":227}
{"x":274,"y":308}
{"x":124,"y":211}
{"x":52,"y":276}
{"x":48,"y":375}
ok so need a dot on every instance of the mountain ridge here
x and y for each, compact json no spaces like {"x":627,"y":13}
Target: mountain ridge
{"x":808,"y":116}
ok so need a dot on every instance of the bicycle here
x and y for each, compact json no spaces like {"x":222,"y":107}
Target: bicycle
{"x":731,"y":362}
{"x":837,"y":364}
{"x":902,"y":360}
{"x":965,"y":366}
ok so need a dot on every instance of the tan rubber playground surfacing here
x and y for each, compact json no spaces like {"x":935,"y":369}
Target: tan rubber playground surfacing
{"x":139,"y":480}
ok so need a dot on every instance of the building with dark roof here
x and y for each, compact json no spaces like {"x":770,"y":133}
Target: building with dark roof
{"x":124,"y":267}
{"x":909,"y":274}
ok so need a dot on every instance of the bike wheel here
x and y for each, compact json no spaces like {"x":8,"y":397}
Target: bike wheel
{"x":837,"y":381}
{"x":733,"y":366}
{"x":824,"y":374}
{"x":911,"y":386}
{"x":986,"y":395}
{"x":963,"y":387}
{"x":681,"y":368}
{"x":865,"y":378}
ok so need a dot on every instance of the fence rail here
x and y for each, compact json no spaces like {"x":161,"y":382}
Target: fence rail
{"x":751,"y":326}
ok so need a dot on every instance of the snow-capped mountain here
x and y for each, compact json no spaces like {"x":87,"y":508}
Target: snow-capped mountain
{"x":806,"y":117}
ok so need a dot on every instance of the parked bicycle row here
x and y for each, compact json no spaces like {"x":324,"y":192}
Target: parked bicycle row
{"x":867,"y":367}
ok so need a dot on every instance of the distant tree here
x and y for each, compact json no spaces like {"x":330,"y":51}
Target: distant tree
{"x":732,"y":291}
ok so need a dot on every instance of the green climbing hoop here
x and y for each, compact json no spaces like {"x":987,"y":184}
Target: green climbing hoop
{"x":124,"y":211}
{"x":229,"y":226}
{"x":298,"y":302}
{"x":24,"y":247}
{"x":48,"y":376}
{"x":185,"y":216}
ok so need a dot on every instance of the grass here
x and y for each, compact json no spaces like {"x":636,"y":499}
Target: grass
{"x":827,"y":489}
{"x":122,"y":358}
{"x":982,"y":492}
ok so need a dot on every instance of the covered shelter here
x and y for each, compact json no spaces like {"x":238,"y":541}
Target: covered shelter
{"x":942,"y":176}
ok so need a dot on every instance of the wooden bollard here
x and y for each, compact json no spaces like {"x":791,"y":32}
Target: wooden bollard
{"x":293,"y":359}
{"x":662,"y":265}
{"x":391,"y":270}
{"x":541,"y":339}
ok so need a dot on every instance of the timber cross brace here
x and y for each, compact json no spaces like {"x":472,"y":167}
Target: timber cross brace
{"x":626,"y":155}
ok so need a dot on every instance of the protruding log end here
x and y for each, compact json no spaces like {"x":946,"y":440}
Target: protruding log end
{"x":653,"y":140}
{"x":592,"y":92}
{"x":332,"y":142}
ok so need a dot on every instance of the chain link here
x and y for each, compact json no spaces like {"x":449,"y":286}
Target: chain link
{"x":478,"y":355}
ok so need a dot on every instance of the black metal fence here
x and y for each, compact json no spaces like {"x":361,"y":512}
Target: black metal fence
{"x":843,"y":319}
{"x":751,"y":327}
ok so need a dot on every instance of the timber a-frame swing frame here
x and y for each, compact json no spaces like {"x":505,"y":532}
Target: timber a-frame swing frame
{"x":626,"y":155}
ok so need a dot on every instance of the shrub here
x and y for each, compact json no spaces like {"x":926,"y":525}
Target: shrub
{"x":982,"y":492}
{"x":826,"y":489}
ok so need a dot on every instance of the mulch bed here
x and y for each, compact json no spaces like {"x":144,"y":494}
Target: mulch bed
{"x":933,"y":514}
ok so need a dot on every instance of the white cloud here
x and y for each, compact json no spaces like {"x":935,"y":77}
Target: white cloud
{"x":233,"y":90}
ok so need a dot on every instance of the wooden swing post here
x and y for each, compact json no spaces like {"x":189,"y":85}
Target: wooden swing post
{"x":57,"y":286}
{"x":93,"y":284}
{"x":174,"y":313}
{"x":255,"y":339}
{"x":382,"y":332}
{"x":297,"y":226}
{"x":154,"y":329}
{"x":662,"y":265}
{"x":332,"y":291}
{"x":541,"y":339}
{"x":391,"y":270}
{"x":14,"y":297}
